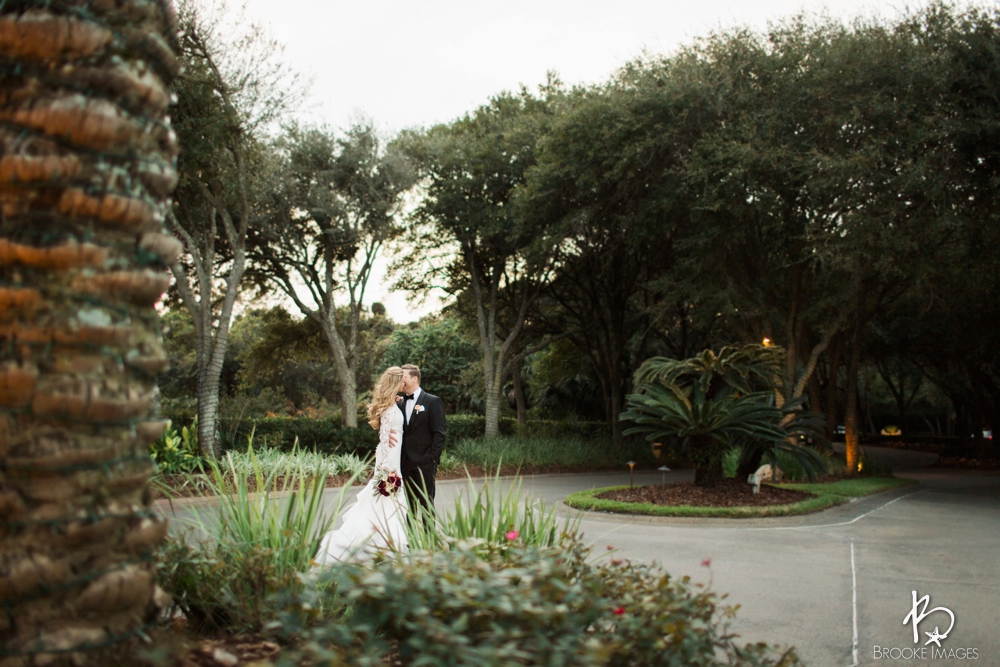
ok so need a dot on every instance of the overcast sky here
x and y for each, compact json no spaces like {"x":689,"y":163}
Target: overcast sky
{"x":410,"y":64}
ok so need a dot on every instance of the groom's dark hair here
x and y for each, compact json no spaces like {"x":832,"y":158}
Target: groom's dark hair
{"x":412,"y":370}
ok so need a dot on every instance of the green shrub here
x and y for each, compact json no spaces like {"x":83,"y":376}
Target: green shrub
{"x":791,"y":466}
{"x":177,"y":452}
{"x":461,"y":427}
{"x":493,"y":519}
{"x":242,"y":550}
{"x":328,"y":436}
{"x":532,"y":606}
{"x":537,"y":450}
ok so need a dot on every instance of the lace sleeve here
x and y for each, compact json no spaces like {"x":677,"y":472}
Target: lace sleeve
{"x":385,"y":425}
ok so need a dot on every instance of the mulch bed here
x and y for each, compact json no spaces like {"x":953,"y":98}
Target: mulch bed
{"x":728,"y":493}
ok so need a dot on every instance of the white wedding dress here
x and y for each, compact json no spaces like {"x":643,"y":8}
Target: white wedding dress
{"x":376,"y":522}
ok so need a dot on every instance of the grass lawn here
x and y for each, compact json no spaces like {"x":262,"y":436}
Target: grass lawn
{"x":824,"y":496}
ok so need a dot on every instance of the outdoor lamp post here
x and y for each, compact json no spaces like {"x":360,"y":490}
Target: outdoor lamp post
{"x":657,"y":448}
{"x":631,"y":473}
{"x":663,"y":474}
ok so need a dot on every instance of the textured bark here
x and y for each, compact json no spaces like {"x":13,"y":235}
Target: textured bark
{"x":519,"y":400}
{"x":706,"y":455}
{"x":86,"y":165}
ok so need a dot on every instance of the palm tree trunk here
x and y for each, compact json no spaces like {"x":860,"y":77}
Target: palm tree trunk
{"x":86,"y":169}
{"x":707,"y":456}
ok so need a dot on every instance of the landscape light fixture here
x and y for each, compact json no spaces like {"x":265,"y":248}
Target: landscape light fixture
{"x":631,"y":473}
{"x":663,"y":474}
{"x":657,"y":448}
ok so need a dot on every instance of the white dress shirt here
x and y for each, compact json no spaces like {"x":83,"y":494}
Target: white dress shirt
{"x":410,"y":404}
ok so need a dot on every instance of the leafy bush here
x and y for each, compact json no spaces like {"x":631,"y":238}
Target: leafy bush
{"x":321,"y":435}
{"x":461,"y":427}
{"x":329,"y":437}
{"x":286,"y":464}
{"x":243,"y":549}
{"x":791,"y":466}
{"x":537,"y":450}
{"x":531,"y":606}
{"x":492,"y":518}
{"x":177,"y":452}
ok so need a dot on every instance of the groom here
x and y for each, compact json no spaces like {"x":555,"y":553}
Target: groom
{"x":423,"y":440}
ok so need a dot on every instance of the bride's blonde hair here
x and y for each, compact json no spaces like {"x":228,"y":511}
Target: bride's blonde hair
{"x":384,"y":394}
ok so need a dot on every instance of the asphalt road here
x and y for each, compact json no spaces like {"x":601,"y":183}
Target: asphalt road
{"x":836,"y":584}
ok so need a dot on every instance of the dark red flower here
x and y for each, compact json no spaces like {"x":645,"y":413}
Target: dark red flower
{"x":619,"y":611}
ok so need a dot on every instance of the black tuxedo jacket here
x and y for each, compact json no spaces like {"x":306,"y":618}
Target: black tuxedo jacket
{"x":423,"y":437}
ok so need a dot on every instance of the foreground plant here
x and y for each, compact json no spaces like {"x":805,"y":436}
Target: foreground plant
{"x":87,"y":165}
{"x":491,"y":517}
{"x":247,"y":546}
{"x":532,"y":606}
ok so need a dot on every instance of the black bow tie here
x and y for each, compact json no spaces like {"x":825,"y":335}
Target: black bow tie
{"x":407,"y":397}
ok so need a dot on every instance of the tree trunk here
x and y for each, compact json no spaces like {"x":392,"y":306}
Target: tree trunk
{"x":82,"y":259}
{"x":522,"y":408}
{"x":345,"y":374}
{"x":851,"y":412}
{"x":208,"y":415}
{"x":349,"y":402}
{"x":493,"y":404}
{"x":831,"y":404}
{"x":707,"y":456}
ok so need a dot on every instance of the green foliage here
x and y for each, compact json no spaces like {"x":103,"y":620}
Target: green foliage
{"x":704,"y":426}
{"x":462,"y":427}
{"x":443,"y":351}
{"x":588,"y":500}
{"x":713,"y":401}
{"x":281,"y":464}
{"x":491,"y":520}
{"x":791,"y":466}
{"x":854,"y":488}
{"x":528,"y":605}
{"x":539,"y":451}
{"x":736,"y":368}
{"x":177,"y":452}
{"x":322,"y":435}
{"x":244,"y":548}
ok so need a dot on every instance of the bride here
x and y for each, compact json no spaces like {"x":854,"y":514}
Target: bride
{"x":376,"y":523}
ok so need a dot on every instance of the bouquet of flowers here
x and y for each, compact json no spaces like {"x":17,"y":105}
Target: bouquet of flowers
{"x":387,"y":482}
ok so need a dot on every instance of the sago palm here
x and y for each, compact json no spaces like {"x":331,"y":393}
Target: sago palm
{"x":86,"y":168}
{"x":705,"y":426}
{"x":736,"y":368}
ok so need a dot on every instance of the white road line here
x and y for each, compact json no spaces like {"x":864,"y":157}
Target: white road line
{"x":831,"y":525}
{"x":854,"y":607}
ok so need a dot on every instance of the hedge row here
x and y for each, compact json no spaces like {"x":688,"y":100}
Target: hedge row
{"x":327,"y":435}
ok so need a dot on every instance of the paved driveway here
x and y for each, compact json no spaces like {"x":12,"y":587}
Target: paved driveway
{"x":834,"y":584}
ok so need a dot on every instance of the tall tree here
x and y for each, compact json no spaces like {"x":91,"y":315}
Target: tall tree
{"x":326,"y":225}
{"x":230,"y":90}
{"x":606,"y":180}
{"x":466,"y":223}
{"x":86,"y":169}
{"x":830,"y":153}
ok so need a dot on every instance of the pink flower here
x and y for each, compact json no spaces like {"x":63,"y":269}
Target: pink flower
{"x":707,"y":562}
{"x":619,"y":611}
{"x":512,"y":535}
